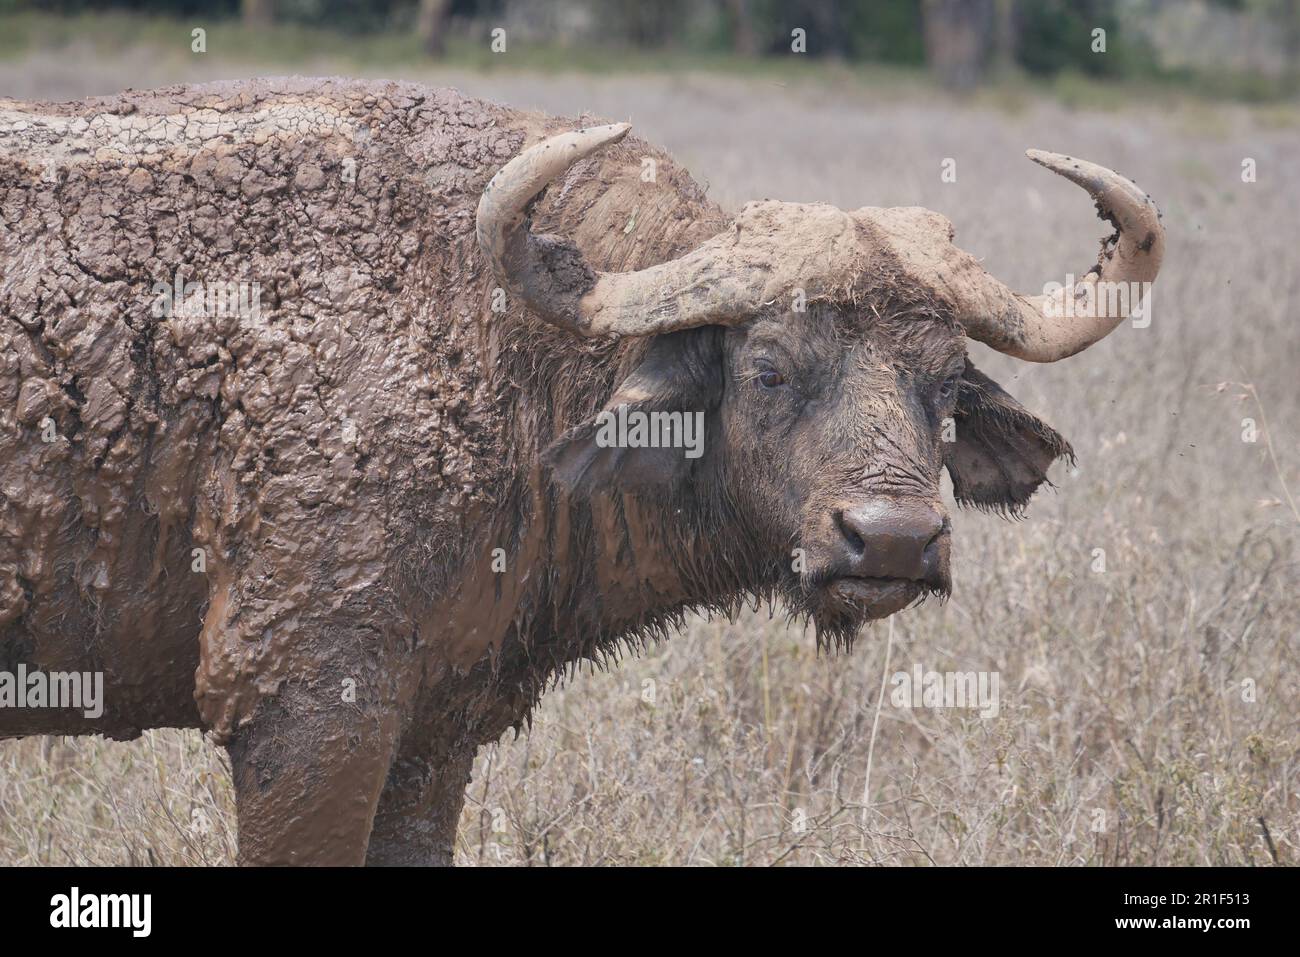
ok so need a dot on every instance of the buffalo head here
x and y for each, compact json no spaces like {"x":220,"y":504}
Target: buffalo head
{"x":827,"y":352}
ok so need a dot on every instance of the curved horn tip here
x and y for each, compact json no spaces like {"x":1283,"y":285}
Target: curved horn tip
{"x":607,"y":134}
{"x":613,"y":129}
{"x":1091,"y":176}
{"x":1068,"y":166}
{"x":1037,"y":333}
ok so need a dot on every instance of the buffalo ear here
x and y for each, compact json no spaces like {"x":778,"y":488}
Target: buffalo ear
{"x":1002,"y":452}
{"x":681,"y":372}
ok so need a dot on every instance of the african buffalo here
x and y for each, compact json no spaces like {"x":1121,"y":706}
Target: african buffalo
{"x":303,"y":438}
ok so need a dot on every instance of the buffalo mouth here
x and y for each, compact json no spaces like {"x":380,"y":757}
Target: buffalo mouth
{"x":841,"y":605}
{"x":873,"y":597}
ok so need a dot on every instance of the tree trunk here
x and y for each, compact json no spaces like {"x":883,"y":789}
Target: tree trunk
{"x":1005,"y":37}
{"x":743,"y":39}
{"x":257,"y":13}
{"x":959,"y":37}
{"x":431,"y":25}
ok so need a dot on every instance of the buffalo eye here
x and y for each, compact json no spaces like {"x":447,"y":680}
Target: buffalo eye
{"x":947,"y":389}
{"x":770,"y":378}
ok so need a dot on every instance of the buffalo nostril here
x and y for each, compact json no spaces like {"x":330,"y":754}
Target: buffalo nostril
{"x":932,"y":546}
{"x":855,"y":540}
{"x":932,"y":556}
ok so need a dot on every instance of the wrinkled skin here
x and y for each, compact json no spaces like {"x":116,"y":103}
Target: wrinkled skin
{"x":816,"y":414}
{"x":356,"y":464}
{"x":856,"y":419}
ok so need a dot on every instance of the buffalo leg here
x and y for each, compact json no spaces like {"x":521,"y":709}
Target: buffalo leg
{"x":419,"y":809}
{"x":308,"y":773}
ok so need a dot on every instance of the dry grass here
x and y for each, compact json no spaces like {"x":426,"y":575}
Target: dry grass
{"x":1124,"y":736}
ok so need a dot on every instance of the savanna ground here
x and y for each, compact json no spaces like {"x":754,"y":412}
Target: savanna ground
{"x":1148,"y":706}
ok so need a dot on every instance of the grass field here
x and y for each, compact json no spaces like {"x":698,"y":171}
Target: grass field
{"x":1148,"y":711}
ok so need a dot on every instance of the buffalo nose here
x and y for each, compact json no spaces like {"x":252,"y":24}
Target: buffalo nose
{"x":892,"y":539}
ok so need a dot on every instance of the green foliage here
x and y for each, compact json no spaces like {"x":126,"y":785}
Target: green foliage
{"x":888,"y":31}
{"x":1056,"y":35}
{"x":171,"y":8}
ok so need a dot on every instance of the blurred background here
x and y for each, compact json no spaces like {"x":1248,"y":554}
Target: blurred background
{"x":1237,"y":48}
{"x":1144,"y":617}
